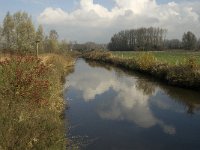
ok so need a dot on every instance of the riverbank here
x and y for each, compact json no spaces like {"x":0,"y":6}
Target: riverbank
{"x":184,"y":74}
{"x":31,"y":101}
{"x":171,"y":57}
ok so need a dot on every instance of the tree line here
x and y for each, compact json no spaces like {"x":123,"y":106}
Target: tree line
{"x":189,"y":42}
{"x":88,"y":46}
{"x":138,"y":39}
{"x":151,"y":39}
{"x":19,"y":35}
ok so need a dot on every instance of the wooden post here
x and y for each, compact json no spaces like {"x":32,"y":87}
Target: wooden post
{"x":37,"y":43}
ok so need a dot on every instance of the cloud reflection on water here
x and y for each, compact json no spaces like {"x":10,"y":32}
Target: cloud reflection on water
{"x":130,"y":102}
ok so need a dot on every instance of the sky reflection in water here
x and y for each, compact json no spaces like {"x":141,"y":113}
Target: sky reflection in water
{"x":123,"y":97}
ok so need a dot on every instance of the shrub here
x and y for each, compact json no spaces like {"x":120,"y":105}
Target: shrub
{"x":191,"y":63}
{"x":30,"y":104}
{"x":146,"y":61}
{"x":98,"y":55}
{"x":24,"y":79}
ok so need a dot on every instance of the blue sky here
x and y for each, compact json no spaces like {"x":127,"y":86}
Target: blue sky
{"x":35,"y":7}
{"x":38,"y":5}
{"x":99,"y":22}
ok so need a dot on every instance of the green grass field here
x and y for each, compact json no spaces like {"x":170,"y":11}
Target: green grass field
{"x":171,"y":57}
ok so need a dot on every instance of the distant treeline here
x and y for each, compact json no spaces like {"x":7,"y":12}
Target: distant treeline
{"x":19,"y":35}
{"x":138,"y":39}
{"x":87,"y":46}
{"x":150,"y":39}
{"x":189,"y":42}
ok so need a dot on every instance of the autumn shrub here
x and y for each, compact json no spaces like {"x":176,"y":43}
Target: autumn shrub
{"x":25,"y":79}
{"x":191,"y":63}
{"x":30,"y":102}
{"x":98,"y":55}
{"x":146,"y":61}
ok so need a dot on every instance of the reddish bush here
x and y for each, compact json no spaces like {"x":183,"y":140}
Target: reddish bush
{"x":25,"y":78}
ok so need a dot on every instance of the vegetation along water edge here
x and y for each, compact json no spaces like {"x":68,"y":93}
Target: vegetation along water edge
{"x":185,"y":73}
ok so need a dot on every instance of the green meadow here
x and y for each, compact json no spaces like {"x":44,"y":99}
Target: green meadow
{"x":170,"y":57}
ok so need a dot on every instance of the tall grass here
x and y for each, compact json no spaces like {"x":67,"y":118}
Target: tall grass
{"x":31,"y":103}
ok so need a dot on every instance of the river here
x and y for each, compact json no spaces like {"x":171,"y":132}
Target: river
{"x":112,"y":109}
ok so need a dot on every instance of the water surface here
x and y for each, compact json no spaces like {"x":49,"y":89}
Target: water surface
{"x":111,"y":109}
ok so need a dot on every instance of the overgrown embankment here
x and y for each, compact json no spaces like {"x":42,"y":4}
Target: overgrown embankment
{"x":31,"y":102}
{"x":186,"y":74}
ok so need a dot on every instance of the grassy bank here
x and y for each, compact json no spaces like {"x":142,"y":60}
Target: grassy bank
{"x":169,"y":57}
{"x":31,"y":114}
{"x":186,"y":73}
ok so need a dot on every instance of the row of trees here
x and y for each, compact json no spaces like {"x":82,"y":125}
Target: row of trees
{"x":18,"y":34}
{"x":87,"y":46}
{"x":138,"y":39}
{"x":189,"y":42}
{"x":151,"y":39}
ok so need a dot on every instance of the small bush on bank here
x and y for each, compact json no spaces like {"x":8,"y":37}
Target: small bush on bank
{"x":191,"y":63}
{"x":146,"y":61}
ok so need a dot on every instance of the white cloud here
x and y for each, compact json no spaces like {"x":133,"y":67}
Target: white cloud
{"x":97,"y":23}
